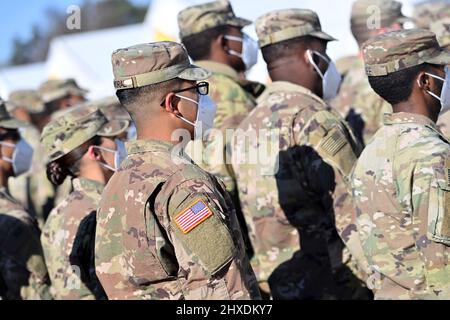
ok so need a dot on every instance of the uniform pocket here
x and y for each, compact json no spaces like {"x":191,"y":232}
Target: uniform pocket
{"x":439,"y":223}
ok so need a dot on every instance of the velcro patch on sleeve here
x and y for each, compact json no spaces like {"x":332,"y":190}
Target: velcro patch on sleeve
{"x":192,"y":216}
{"x":334,"y":142}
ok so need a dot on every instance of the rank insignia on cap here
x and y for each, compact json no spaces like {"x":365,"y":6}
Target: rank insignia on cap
{"x":192,"y":216}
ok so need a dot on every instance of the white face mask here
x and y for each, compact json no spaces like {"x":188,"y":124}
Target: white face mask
{"x":331,"y":80}
{"x":21,"y":158}
{"x":445,"y":92}
{"x":206,"y":112}
{"x":249,"y":54}
{"x":119,"y":154}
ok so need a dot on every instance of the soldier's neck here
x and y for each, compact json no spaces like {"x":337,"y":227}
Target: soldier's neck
{"x":92,"y":172}
{"x":411,"y":107}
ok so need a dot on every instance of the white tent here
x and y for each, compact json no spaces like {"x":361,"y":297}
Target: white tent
{"x":87,"y":56}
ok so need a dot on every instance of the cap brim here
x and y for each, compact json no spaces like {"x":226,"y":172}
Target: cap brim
{"x":441,"y":59}
{"x":13,"y":124}
{"x":239,"y":22}
{"x":194,"y":73}
{"x":113,"y":128}
{"x":322,"y":35}
{"x":63,"y":93}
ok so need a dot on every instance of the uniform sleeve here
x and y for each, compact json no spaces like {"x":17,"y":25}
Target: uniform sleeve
{"x":199,"y":227}
{"x":431,"y":223}
{"x":24,"y":272}
{"x":335,"y":151}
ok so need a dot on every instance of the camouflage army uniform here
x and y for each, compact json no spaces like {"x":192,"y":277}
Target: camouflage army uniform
{"x":426,"y":12}
{"x":60,"y":234}
{"x":401,"y":184}
{"x":291,"y":211}
{"x":357,"y":102}
{"x":442,"y":30}
{"x":228,"y":91}
{"x":23,"y":274}
{"x":356,"y":97}
{"x":145,"y":246}
{"x":47,"y":195}
{"x":70,"y":276}
{"x":31,"y":189}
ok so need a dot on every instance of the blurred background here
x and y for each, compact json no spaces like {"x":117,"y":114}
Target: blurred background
{"x":44,"y":39}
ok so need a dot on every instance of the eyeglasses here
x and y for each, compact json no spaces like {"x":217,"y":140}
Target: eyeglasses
{"x":202,"y":89}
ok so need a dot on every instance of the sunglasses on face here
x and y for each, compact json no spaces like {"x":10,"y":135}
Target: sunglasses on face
{"x":202,"y":88}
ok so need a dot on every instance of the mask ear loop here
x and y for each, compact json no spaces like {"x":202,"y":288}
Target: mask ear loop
{"x":231,"y":51}
{"x":430,"y":92}
{"x":310,"y":57}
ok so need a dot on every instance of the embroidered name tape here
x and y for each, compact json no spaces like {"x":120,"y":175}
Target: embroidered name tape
{"x":192,"y":216}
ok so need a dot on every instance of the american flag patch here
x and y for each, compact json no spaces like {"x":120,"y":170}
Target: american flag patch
{"x":191,"y":217}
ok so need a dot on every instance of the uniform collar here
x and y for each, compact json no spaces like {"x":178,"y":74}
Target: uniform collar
{"x":220,"y":68}
{"x":405,"y":117}
{"x":142,"y":146}
{"x":87,"y":185}
{"x":278,"y":86}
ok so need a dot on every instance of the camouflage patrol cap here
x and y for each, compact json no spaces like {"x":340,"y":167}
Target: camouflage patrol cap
{"x":30,"y":100}
{"x":52,"y":90}
{"x":442,"y":30}
{"x":388,"y":11}
{"x":427,"y":12}
{"x":75,"y":127}
{"x":397,"y":50}
{"x":152,"y":63}
{"x":280,"y":25}
{"x":198,"y":18}
{"x":6,"y":120}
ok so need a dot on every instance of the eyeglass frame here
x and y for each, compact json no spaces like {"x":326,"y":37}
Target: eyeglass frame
{"x":199,"y":85}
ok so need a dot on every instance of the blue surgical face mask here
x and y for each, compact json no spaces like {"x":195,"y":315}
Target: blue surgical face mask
{"x":119,"y":155}
{"x":21,"y":158}
{"x":331,"y":80}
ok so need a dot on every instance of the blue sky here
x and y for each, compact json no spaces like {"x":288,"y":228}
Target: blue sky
{"x":19,"y":16}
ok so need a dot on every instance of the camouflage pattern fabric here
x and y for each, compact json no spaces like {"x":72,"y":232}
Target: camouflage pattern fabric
{"x":54,"y":89}
{"x":61,"y":232}
{"x":23,"y":274}
{"x":142,"y":252}
{"x":233,"y":105}
{"x":401,"y":188}
{"x":359,"y":104}
{"x":198,"y":18}
{"x":281,"y":25}
{"x":296,"y":200}
{"x":427,"y":12}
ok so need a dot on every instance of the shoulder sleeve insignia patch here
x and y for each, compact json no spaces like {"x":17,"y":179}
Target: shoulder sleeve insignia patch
{"x":192,"y":216}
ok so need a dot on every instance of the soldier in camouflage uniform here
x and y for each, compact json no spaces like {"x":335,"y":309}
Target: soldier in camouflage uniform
{"x":24,"y":105}
{"x":79,"y":144}
{"x":166,"y":228}
{"x":427,"y":12}
{"x":57,"y":95}
{"x":293,"y":210}
{"x":213,"y":37}
{"x":401,"y":181}
{"x":442,"y":30}
{"x":357,"y":102}
{"x":23,"y":274}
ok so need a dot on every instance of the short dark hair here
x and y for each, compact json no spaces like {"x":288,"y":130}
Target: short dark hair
{"x":198,"y":45}
{"x":285,"y":48}
{"x":396,"y":87}
{"x":133,"y":99}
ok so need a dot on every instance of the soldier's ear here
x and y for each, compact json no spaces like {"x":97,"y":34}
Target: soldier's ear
{"x":424,"y":81}
{"x":171,"y":104}
{"x":94,"y":153}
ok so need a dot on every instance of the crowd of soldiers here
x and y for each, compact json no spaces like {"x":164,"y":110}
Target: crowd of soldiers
{"x":140,"y":196}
